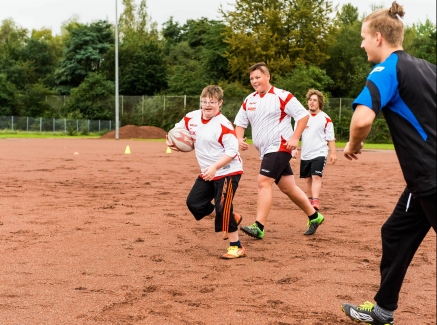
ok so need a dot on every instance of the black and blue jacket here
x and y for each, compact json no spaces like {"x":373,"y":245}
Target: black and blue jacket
{"x":404,"y":89}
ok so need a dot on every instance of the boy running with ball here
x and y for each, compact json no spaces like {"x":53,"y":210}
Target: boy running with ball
{"x":216,"y":148}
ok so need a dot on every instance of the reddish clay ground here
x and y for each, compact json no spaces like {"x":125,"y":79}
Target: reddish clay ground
{"x":102,"y":237}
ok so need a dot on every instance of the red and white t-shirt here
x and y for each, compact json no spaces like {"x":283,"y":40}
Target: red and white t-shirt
{"x":212,"y":139}
{"x":270,"y":117}
{"x":318,"y":131}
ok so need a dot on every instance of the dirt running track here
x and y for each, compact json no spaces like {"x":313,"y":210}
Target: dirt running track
{"x":103,"y":237}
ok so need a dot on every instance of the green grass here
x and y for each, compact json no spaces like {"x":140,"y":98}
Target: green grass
{"x":7,"y":134}
{"x":371,"y":146}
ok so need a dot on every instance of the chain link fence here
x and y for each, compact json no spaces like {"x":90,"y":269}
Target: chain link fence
{"x":68,"y":126}
{"x":165,"y":111}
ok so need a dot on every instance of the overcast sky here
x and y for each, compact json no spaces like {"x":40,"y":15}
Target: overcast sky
{"x":35,"y":14}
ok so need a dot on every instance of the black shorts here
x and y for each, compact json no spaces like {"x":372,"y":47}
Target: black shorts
{"x":222,"y":191}
{"x":312,"y":167}
{"x":275,"y":165}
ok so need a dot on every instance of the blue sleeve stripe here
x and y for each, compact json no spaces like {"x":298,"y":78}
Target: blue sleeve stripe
{"x":403,"y":110}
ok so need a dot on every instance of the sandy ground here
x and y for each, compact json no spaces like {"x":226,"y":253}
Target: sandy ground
{"x":104,"y":237}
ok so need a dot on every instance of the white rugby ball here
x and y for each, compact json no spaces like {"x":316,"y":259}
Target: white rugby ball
{"x":182,"y":139}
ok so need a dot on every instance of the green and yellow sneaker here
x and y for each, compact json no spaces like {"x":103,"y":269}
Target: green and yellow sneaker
{"x":364,"y":314}
{"x":314,"y":224}
{"x":253,"y":231}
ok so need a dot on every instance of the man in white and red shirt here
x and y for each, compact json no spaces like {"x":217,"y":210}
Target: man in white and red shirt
{"x":216,"y":148}
{"x":269,"y":111}
{"x":317,"y":139}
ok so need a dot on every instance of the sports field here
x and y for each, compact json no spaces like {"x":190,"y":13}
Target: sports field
{"x":91,"y":235}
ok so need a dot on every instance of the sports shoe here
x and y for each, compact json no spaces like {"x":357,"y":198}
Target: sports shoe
{"x":314,"y":224}
{"x":316,"y":205}
{"x":253,"y":231}
{"x":238,"y":219}
{"x":364,"y":313}
{"x":235,"y":252}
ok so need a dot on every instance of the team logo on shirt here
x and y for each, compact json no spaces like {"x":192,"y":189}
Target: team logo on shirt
{"x":377,"y":69}
{"x":251,"y":108}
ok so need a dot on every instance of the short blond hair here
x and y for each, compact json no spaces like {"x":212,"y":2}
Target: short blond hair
{"x":388,"y":22}
{"x":319,"y":95}
{"x":212,"y":91}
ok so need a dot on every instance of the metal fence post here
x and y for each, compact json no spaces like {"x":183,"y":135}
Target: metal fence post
{"x":12,"y":123}
{"x":99,"y":126}
{"x":54,"y":126}
{"x":27,"y":124}
{"x":65,"y":125}
{"x":40,"y":124}
{"x":77,"y":126}
{"x":88,"y":126}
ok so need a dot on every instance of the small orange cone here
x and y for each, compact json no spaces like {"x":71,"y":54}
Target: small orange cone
{"x":127,"y":151}
{"x":168,"y":150}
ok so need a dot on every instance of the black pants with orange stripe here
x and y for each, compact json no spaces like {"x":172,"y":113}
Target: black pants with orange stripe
{"x":222,"y":191}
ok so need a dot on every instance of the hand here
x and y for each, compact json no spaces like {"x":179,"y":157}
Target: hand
{"x":170,"y":144}
{"x":350,"y":153}
{"x":242,"y":145}
{"x":292,"y":144}
{"x":333,"y":158}
{"x":209,"y":173}
{"x":295,"y":154}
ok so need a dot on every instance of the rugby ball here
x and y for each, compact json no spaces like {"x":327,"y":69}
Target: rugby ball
{"x":181,"y":138}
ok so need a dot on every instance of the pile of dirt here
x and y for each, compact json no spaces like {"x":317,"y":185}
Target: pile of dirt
{"x":137,"y":132}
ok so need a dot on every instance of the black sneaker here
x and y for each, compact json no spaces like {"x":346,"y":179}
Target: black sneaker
{"x":364,"y":314}
{"x":314,"y":224}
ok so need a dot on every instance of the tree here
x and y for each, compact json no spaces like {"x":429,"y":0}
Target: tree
{"x":423,"y":43}
{"x":347,"y":65}
{"x":213,"y":48}
{"x":145,"y":73}
{"x":92,"y":98}
{"x":7,"y":96}
{"x":186,"y":73}
{"x":84,"y":51}
{"x":32,"y":101}
{"x":303,"y":78}
{"x":281,"y":33}
{"x":135,"y":24}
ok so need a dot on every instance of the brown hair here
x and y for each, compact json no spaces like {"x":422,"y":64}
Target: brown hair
{"x":388,"y":22}
{"x":320,"y":97}
{"x":212,"y":91}
{"x":261,"y":66}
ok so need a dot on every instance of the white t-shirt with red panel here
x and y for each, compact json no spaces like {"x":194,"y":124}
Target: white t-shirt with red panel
{"x":270,"y":118}
{"x":212,"y":139}
{"x":318,"y":131}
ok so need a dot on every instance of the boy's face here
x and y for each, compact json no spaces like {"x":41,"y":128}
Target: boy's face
{"x":313,"y":104}
{"x":210,"y":107}
{"x":260,"y":81}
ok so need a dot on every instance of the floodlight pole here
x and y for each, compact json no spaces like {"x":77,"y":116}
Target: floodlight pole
{"x":116,"y":73}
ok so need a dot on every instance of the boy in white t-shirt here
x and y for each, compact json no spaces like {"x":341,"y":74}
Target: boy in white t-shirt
{"x":269,"y":111}
{"x":317,"y":139}
{"x":216,"y":148}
